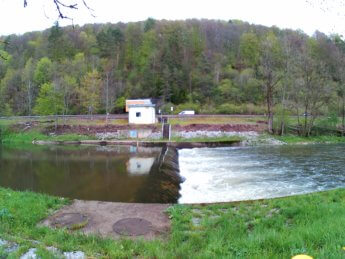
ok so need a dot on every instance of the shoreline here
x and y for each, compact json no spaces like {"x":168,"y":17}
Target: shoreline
{"x":142,"y":143}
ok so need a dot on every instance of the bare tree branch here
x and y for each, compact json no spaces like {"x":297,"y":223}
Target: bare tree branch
{"x":90,"y":9}
{"x":61,"y":5}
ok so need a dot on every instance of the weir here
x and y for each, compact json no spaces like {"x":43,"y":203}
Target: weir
{"x":164,"y":178}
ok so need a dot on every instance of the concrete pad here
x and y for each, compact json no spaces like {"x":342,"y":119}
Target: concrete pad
{"x":103,"y":215}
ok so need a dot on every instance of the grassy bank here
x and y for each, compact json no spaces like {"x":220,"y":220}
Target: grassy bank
{"x":278,"y":228}
{"x":28,"y":137}
{"x":293,"y":139}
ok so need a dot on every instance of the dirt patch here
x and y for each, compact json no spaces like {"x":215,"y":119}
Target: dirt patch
{"x":92,"y":130}
{"x":150,"y":222}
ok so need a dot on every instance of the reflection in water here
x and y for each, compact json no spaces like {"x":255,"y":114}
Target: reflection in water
{"x":140,"y":165}
{"x":242,"y":173}
{"x":115,"y":173}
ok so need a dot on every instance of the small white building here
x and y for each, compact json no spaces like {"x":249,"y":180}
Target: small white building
{"x":141,"y":111}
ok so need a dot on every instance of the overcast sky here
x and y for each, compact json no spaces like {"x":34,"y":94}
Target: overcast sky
{"x":307,"y":15}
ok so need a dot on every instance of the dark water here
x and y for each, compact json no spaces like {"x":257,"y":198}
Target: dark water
{"x":243,"y":173}
{"x":122,"y":174}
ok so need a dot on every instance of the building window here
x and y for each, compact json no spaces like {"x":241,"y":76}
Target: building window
{"x":138,"y":114}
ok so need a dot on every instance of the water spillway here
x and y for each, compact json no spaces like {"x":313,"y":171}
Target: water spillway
{"x":163,"y":182}
{"x":247,"y":173}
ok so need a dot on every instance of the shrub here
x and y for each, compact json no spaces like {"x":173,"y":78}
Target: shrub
{"x":120,"y":104}
{"x":229,"y":108}
{"x":249,"y":108}
{"x":281,"y":120}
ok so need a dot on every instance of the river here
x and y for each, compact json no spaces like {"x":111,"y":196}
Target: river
{"x":246,"y":173}
{"x":130,"y":174}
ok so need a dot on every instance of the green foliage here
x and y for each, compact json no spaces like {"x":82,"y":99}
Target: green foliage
{"x":5,"y":109}
{"x":10,"y":137}
{"x":149,"y":24}
{"x":282,"y":120}
{"x":109,"y":40}
{"x":58,"y":45}
{"x":211,"y":63}
{"x":187,"y":106}
{"x":292,"y":139}
{"x":5,"y":56}
{"x":120,"y":104}
{"x":49,"y":101}
{"x":228,"y":108}
{"x":43,"y":72}
{"x":331,"y":121}
{"x":250,"y":48}
{"x":90,"y":92}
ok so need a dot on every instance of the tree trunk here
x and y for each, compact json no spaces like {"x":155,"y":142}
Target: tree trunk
{"x":107,"y":94}
{"x":29,"y":96}
{"x":269,"y":99}
{"x":190,"y":86}
{"x":343,"y":118}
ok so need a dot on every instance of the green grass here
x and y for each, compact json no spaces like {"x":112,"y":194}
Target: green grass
{"x":292,"y":139}
{"x":28,"y":137}
{"x":312,"y":224}
{"x":216,"y":120}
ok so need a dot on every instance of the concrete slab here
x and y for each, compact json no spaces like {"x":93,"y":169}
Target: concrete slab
{"x":103,"y":215}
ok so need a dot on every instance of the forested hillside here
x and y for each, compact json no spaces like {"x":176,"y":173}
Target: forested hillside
{"x":210,"y":66}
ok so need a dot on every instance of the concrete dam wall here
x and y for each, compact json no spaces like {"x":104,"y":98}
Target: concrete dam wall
{"x":164,"y":178}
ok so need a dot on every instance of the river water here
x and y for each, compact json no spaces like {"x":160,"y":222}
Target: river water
{"x":245,"y":173}
{"x":122,"y":174}
{"x":130,"y":174}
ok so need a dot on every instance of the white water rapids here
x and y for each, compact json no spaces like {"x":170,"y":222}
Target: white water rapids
{"x":246,"y":173}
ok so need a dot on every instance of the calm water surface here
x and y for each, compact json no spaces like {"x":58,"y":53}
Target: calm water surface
{"x":123,"y":174}
{"x":242,"y":173}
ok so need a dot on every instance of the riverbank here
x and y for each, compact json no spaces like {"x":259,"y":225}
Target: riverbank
{"x":249,"y":130}
{"x":277,"y":228}
{"x":189,"y":129}
{"x":324,"y":139}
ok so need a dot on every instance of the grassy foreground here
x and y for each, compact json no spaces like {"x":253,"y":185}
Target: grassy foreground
{"x":279,"y":228}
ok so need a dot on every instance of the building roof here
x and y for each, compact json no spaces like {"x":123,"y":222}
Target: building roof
{"x":140,"y":105}
{"x":140,"y":102}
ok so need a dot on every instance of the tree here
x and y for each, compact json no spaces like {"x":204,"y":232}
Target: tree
{"x":338,"y":58}
{"x":270,"y":69}
{"x":68,"y":90}
{"x":28,"y":74}
{"x":43,"y":72}
{"x":250,"y":49}
{"x":49,"y":100}
{"x":109,"y":41}
{"x":59,"y":46}
{"x":312,"y":87}
{"x":89,"y":92}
